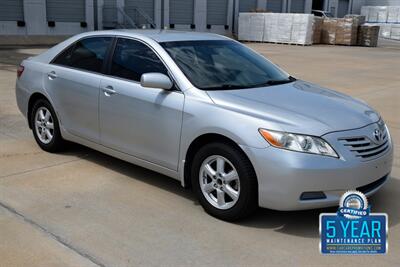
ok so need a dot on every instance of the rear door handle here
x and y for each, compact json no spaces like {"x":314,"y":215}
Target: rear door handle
{"x":109,"y":90}
{"x":52,"y":75}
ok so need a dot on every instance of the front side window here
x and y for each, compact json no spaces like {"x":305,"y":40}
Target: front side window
{"x":223,"y":64}
{"x":132,"y":59}
{"x":87,"y":54}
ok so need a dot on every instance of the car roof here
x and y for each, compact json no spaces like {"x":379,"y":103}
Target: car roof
{"x":161,"y":35}
{"x":158,"y":36}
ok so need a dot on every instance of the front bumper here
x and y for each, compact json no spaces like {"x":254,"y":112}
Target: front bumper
{"x":283,"y":176}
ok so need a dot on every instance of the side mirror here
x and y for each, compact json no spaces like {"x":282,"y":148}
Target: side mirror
{"x":156,"y":80}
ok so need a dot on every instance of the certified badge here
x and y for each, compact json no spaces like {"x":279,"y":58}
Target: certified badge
{"x":353,"y":229}
{"x":353,"y":205}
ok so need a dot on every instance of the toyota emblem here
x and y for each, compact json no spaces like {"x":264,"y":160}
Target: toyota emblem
{"x":378,"y":135}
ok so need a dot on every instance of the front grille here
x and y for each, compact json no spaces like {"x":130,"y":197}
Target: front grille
{"x":367,"y":148}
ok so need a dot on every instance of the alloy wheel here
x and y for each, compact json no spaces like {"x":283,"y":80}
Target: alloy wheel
{"x":219,"y":182}
{"x":44,"y":125}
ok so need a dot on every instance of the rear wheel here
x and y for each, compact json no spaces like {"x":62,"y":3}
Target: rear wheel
{"x":224,"y":181}
{"x":45,"y":127}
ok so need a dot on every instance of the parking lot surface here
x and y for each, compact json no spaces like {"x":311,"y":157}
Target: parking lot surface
{"x":84,"y":208}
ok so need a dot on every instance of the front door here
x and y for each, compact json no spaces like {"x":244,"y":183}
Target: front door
{"x":143,"y":122}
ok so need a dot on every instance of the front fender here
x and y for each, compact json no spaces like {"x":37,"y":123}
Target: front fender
{"x":201,"y":116}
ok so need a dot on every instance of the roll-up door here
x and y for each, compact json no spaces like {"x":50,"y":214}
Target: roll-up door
{"x":343,"y":8}
{"x":65,"y":10}
{"x":274,"y":5}
{"x":11,"y":10}
{"x":181,"y":11}
{"x":297,"y":6}
{"x":217,"y":12}
{"x":140,"y":11}
{"x":247,"y":5}
{"x":110,"y":17}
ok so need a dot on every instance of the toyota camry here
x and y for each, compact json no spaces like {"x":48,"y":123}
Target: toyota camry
{"x":208,"y":111}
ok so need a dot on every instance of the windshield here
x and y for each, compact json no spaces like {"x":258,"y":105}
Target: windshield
{"x":223,"y":64}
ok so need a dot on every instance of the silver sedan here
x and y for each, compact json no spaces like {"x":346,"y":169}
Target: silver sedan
{"x":208,"y":111}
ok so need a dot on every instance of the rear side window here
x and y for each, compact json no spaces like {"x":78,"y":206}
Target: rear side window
{"x":87,"y":54}
{"x":132,"y":58}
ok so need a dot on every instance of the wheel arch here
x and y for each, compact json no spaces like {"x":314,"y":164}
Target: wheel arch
{"x":200,"y":141}
{"x":32,"y":99}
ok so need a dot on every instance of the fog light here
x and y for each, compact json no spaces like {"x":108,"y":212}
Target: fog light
{"x":312,"y":195}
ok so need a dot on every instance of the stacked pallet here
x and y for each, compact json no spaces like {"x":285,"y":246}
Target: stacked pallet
{"x":395,"y":32}
{"x":386,"y":17}
{"x":368,"y":35}
{"x":328,"y":35}
{"x":305,"y":29}
{"x":276,"y":28}
{"x":302,"y":29}
{"x":317,"y":30}
{"x":381,"y":14}
{"x":251,"y":26}
{"x":393,"y":15}
{"x":358,"y":19}
{"x":346,"y":32}
{"x":387,"y":30}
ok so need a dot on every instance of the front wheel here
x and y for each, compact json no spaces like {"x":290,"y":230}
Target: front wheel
{"x":45,"y":127}
{"x":224,"y":181}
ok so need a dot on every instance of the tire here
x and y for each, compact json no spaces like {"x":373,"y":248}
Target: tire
{"x":245,"y":188}
{"x":54,"y":144}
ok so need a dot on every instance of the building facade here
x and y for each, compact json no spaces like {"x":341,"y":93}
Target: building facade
{"x":68,"y":17}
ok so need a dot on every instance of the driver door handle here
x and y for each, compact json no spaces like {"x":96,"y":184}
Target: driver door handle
{"x":109,"y":90}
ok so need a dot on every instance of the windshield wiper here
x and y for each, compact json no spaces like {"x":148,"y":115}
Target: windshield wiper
{"x":236,"y":86}
{"x":274,"y":82}
{"x":225,"y":87}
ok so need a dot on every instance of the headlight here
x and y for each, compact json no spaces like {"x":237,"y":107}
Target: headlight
{"x":298,"y":142}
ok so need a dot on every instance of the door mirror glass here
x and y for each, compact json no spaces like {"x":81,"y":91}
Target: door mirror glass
{"x":156,"y":80}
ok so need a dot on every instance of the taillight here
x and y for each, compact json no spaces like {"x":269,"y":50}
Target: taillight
{"x":20,"y":70}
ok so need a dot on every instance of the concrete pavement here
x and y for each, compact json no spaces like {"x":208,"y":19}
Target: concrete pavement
{"x":84,"y":208}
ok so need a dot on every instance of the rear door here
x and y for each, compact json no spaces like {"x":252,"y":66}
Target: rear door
{"x":72,"y":80}
{"x":143,"y":122}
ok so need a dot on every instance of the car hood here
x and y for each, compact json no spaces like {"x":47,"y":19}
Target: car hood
{"x":298,"y":107}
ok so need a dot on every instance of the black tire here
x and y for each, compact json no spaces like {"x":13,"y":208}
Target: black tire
{"x":248,"y":197}
{"x":57,"y":143}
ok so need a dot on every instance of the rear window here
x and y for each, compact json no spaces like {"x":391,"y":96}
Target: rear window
{"x":87,"y":54}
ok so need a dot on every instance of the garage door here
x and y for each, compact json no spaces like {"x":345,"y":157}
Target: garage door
{"x":217,"y":11}
{"x":274,"y":5}
{"x":181,"y":11}
{"x":11,"y":10}
{"x":297,"y":6}
{"x":247,"y":5}
{"x":343,"y":8}
{"x":65,"y":10}
{"x":139,"y":10}
{"x":110,"y":18}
